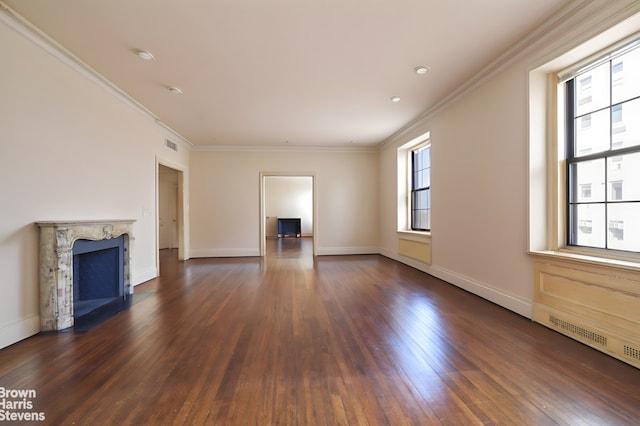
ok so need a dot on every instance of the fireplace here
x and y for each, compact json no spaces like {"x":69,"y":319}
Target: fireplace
{"x":289,"y":227}
{"x":83,"y":265}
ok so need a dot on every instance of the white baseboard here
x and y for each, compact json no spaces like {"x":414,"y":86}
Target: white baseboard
{"x":341,"y":251}
{"x":516,"y":304}
{"x":19,"y":330}
{"x":224,"y":252}
{"x":508,"y":301}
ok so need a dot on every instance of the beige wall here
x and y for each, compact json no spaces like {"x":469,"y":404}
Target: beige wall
{"x":480,"y":176}
{"x":225,"y":199}
{"x":290,"y":196}
{"x":70,"y":150}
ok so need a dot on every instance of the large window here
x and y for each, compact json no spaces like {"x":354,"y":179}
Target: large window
{"x":603,"y":152}
{"x":421,"y":188}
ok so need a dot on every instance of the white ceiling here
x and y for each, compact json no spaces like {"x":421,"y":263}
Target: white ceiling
{"x":308,"y":73}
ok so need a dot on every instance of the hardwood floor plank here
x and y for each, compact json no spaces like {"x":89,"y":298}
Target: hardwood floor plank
{"x":293,"y":340}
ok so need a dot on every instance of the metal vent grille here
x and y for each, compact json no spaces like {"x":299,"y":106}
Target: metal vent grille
{"x":578,"y":331}
{"x":171,"y":145}
{"x":632,"y":352}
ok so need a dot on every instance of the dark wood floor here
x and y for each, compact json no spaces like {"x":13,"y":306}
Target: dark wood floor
{"x":336,"y":340}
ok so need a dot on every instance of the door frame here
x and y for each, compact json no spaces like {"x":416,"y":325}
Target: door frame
{"x":263,"y":216}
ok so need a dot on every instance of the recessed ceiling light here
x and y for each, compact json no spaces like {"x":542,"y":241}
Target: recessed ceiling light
{"x":421,"y":70}
{"x":395,"y":99}
{"x":144,"y":55}
{"x":175,"y":90}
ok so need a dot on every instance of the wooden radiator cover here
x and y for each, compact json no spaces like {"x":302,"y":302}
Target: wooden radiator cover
{"x":596,"y":304}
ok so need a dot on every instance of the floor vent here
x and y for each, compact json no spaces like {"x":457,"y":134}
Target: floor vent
{"x":578,"y":331}
{"x":171,"y":145}
{"x":632,"y":352}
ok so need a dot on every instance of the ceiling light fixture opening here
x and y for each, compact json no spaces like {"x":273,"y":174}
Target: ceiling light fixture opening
{"x":144,"y":55}
{"x":421,"y":70}
{"x":395,"y":99}
{"x":175,"y":90}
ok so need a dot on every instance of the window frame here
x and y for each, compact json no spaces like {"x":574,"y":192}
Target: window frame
{"x":572,"y":90}
{"x":404,"y":176}
{"x":414,"y":189}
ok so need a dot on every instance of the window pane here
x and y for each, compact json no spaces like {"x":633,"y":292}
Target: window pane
{"x":592,"y":90}
{"x":423,"y":179}
{"x":421,"y":168}
{"x":426,"y":155}
{"x":420,"y":219}
{"x":420,"y":211}
{"x":421,"y":199}
{"x":587,"y":174}
{"x":623,"y":177}
{"x":625,"y":76}
{"x":623,"y":226}
{"x":588,"y":225}
{"x":625,"y":124}
{"x":592,"y":133}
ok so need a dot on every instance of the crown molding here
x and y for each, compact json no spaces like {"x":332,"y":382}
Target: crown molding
{"x":40,"y":39}
{"x":318,"y":149}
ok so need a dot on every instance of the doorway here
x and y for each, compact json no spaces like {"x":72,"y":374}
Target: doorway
{"x":167,"y":208}
{"x":291,"y":197}
{"x":170,"y":216}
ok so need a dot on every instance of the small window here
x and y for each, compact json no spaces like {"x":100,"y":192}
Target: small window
{"x":585,"y":190}
{"x":616,"y":230}
{"x":586,"y":226}
{"x":585,"y":121}
{"x":616,"y":114}
{"x":616,"y":190}
{"x":585,"y":85}
{"x":616,"y":73}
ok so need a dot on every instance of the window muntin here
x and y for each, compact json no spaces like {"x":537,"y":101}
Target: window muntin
{"x":603,"y":155}
{"x":421,"y":188}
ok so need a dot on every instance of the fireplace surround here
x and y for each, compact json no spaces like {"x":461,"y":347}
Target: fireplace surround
{"x":57,"y":239}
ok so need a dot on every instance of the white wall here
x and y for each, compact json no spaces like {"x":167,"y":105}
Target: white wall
{"x":70,"y":150}
{"x":290,"y":196}
{"x":225,"y":199}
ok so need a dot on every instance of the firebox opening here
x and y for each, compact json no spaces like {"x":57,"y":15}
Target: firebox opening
{"x":98,"y":276}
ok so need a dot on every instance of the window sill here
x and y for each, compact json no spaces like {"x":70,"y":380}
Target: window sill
{"x":420,"y":236}
{"x":589,"y":259}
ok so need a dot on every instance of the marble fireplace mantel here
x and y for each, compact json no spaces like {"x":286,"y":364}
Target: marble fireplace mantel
{"x":56,"y":264}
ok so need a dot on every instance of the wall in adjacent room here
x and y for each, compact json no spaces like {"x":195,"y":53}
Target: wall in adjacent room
{"x":290,"y":197}
{"x":225,"y":199}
